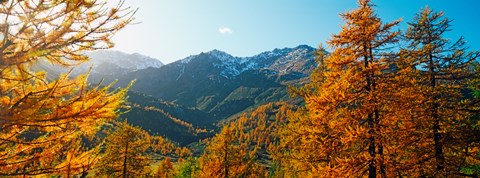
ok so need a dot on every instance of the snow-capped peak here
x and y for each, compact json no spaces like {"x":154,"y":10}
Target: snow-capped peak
{"x":275,"y":53}
{"x":223,"y":56}
{"x":232,"y":66}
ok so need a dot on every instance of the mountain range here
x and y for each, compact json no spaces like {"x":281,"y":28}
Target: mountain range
{"x":104,"y":64}
{"x":185,"y":100}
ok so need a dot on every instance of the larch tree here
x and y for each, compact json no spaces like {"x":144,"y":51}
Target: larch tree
{"x":237,"y":150}
{"x":165,"y":169}
{"x":225,"y":155}
{"x":78,"y":160}
{"x":39,"y":117}
{"x":443,"y":72}
{"x":125,"y":152}
{"x":352,"y":125}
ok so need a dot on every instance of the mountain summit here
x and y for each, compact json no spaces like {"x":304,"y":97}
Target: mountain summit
{"x":105,"y":64}
{"x":116,"y":62}
{"x":221,"y":84}
{"x":200,"y":90}
{"x":282,"y":61}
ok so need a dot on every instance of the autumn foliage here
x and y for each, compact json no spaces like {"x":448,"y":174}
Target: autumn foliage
{"x":41,"y":118}
{"x":375,"y":111}
{"x":381,"y":103}
{"x":239,"y":148}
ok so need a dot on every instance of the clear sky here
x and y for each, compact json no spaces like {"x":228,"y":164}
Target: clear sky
{"x":174,"y":29}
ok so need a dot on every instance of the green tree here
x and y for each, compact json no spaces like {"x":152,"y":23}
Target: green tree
{"x":188,"y":168}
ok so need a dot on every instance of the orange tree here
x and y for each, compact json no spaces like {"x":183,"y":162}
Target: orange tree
{"x":353,"y":123}
{"x":125,"y":152}
{"x":443,"y":71}
{"x":244,"y":145}
{"x":39,"y":117}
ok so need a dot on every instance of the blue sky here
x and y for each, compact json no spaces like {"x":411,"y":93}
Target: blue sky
{"x":174,"y":29}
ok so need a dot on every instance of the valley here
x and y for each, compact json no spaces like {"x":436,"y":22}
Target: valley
{"x":186,"y":101}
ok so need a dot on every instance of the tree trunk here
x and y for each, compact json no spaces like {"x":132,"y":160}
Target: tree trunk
{"x":372,"y":171}
{"x":68,"y":170}
{"x":376,"y":117}
{"x":437,"y":137}
{"x":84,"y":174}
{"x":225,"y":167}
{"x":125,"y":161}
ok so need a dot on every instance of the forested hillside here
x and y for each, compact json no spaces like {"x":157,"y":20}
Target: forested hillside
{"x":382,"y":100}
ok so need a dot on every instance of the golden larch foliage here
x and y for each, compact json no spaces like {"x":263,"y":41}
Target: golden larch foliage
{"x":244,"y":145}
{"x":442,"y":72}
{"x":351,"y":125}
{"x":40,"y":118}
{"x":125,"y":153}
{"x":165,"y":169}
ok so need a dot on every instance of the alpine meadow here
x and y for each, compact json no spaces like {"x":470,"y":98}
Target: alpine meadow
{"x":376,"y":98}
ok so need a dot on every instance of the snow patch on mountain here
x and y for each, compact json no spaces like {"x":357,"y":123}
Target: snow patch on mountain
{"x":281,"y":60}
{"x":181,"y":73}
{"x":232,"y":66}
{"x":187,"y":59}
{"x":294,"y":60}
{"x":272,"y":54}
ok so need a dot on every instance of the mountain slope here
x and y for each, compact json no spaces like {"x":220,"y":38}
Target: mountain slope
{"x":220,"y":84}
{"x":104,"y":61}
{"x":105,"y":64}
{"x":180,"y":124}
{"x":185,"y":100}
